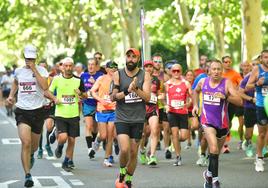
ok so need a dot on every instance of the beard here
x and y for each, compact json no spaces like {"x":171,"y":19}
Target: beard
{"x":131,"y":66}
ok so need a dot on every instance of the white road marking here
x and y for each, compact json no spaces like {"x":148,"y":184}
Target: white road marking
{"x":66,"y":173}
{"x":76,"y":182}
{"x":11,"y":141}
{"x":5,"y":184}
{"x":57,"y":165}
{"x":57,"y":179}
{"x":9,"y":119}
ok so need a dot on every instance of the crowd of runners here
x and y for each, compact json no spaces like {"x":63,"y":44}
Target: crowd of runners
{"x":133,"y":111}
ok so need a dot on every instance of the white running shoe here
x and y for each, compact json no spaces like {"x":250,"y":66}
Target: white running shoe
{"x":202,"y":161}
{"x":259,"y":165}
{"x":107,"y":163}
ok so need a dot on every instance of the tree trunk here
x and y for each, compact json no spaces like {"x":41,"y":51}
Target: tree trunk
{"x":219,"y":36}
{"x":191,"y":44}
{"x":252,"y":28}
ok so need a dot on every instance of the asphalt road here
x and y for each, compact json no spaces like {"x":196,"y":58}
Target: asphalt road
{"x":236,"y":171}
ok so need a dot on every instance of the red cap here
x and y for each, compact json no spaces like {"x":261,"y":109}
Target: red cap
{"x":148,"y":62}
{"x":134,"y":51}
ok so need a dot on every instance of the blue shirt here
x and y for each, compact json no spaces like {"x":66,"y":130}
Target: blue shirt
{"x":88,"y":81}
{"x":198,"y":78}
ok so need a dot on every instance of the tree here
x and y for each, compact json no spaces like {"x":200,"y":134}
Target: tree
{"x":252,"y":43}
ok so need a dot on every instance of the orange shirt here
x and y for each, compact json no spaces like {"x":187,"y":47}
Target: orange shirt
{"x":234,"y":76}
{"x":103,"y":92}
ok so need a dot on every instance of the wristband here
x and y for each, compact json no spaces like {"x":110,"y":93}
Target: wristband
{"x":126,"y":92}
{"x":117,"y":87}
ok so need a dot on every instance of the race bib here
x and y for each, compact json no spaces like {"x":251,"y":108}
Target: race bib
{"x":68,"y":99}
{"x":264,"y":91}
{"x":177,"y":104}
{"x":153,"y":99}
{"x":210,"y":99}
{"x":132,"y":98}
{"x":107,"y":98}
{"x":89,"y":96}
{"x":27,"y":87}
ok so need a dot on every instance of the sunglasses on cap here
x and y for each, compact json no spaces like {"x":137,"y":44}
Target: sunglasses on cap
{"x":113,"y":66}
{"x":176,"y":71}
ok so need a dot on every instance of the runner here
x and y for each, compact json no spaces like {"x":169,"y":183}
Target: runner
{"x":131,"y":90}
{"x":152,"y":119}
{"x":193,"y":120}
{"x":259,"y":80}
{"x":216,"y":92}
{"x":6,"y":83}
{"x":249,"y":115}
{"x":89,"y":105}
{"x":177,"y":91}
{"x":105,"y":115}
{"x":30,"y":82}
{"x":69,"y":88}
{"x":233,"y":110}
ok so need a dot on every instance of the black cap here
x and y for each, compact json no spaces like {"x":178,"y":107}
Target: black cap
{"x":111,"y":64}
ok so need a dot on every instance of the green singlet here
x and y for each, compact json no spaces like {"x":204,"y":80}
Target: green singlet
{"x":65,"y":93}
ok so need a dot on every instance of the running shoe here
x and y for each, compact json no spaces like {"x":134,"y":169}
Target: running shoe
{"x":143,"y":158}
{"x":40,"y":154}
{"x":96,"y":145}
{"x":28,"y":181}
{"x":152,"y":161}
{"x":202,"y":161}
{"x":116,"y":148}
{"x":111,"y":159}
{"x":259,"y":165}
{"x":177,"y":161}
{"x":49,"y":151}
{"x":107,"y":163}
{"x":58,"y":152}
{"x":91,"y":153}
{"x":52,"y":135}
{"x":249,"y":151}
{"x":265,"y":152}
{"x":71,"y":164}
{"x":66,"y":167}
{"x":208,"y":180}
{"x":168,"y":154}
{"x":216,"y":184}
{"x":119,"y":184}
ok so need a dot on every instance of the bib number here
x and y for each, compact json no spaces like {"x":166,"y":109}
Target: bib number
{"x":132,"y":98}
{"x":27,"y":87}
{"x":153,"y":99}
{"x":107,"y":98}
{"x":210,"y":99}
{"x":177,"y":104}
{"x":68,"y":99}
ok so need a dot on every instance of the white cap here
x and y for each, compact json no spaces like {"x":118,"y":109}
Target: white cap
{"x":30,"y":52}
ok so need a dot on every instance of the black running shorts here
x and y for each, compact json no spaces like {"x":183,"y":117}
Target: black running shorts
{"x":250,"y":117}
{"x":133,"y":130}
{"x":34,"y":118}
{"x":178,"y":120}
{"x":68,"y":125}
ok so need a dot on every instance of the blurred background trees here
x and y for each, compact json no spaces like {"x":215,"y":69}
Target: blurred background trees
{"x":178,"y":29}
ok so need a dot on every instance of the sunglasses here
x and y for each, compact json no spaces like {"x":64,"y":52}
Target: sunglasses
{"x":113,"y":67}
{"x":176,"y":71}
{"x":157,"y":61}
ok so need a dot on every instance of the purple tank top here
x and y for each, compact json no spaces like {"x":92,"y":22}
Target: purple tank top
{"x":214,"y":110}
